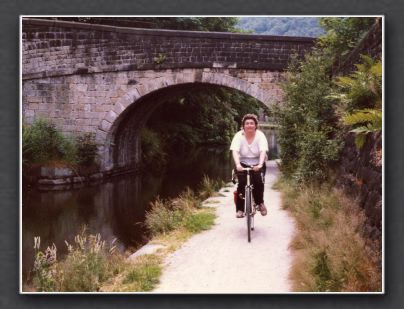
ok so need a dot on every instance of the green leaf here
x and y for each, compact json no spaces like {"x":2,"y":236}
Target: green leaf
{"x":360,"y":140}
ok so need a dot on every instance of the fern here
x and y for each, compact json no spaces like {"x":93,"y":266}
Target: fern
{"x":367,"y":121}
{"x":367,"y":115}
{"x":360,"y":97}
{"x":362,"y":88}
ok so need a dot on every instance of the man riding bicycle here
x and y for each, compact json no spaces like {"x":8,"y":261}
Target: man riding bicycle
{"x":249,"y":147}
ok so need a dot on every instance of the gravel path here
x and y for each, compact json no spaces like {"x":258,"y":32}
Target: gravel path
{"x":222,"y":261}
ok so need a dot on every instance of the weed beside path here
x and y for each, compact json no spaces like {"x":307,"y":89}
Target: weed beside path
{"x":331,"y":254}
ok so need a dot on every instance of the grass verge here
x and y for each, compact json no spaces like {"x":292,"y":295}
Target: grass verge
{"x":331,"y":254}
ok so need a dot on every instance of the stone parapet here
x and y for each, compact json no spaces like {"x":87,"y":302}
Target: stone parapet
{"x":56,"y":48}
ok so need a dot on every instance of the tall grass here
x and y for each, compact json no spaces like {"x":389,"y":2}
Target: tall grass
{"x":181,"y":212}
{"x":88,"y":264}
{"x":162,"y":218}
{"x":331,"y":253}
{"x":208,"y":187}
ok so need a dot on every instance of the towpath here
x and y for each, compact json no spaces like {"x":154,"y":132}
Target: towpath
{"x":221,"y":260}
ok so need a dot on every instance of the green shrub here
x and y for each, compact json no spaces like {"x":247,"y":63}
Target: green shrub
{"x":187,"y":200}
{"x":43,"y":143}
{"x":86,"y":148}
{"x":209,"y":186}
{"x":162,"y":218}
{"x":308,"y":132}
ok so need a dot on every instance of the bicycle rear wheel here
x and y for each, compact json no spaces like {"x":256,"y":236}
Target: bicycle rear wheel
{"x":248,"y":212}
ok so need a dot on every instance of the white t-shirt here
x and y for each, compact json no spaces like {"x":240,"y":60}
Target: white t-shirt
{"x":249,"y":153}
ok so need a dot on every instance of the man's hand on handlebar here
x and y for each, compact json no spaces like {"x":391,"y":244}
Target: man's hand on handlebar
{"x":239,"y":167}
{"x":257,"y":168}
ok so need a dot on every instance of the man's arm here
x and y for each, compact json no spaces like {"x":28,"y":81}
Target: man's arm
{"x":236,"y":158}
{"x":263,"y":154}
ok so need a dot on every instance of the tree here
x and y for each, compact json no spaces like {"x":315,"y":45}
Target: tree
{"x":308,"y":132}
{"x":343,"y":33}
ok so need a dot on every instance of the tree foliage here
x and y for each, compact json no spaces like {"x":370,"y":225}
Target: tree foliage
{"x":362,"y":88}
{"x":360,"y":99}
{"x":288,"y":26}
{"x":308,"y":127}
{"x":310,"y":133}
{"x":343,"y":33}
{"x":200,"y":115}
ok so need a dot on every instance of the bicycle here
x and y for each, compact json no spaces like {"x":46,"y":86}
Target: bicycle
{"x":250,"y":208}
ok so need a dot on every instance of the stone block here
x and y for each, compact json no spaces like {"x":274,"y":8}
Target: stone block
{"x":146,"y":249}
{"x":133,"y":94}
{"x":54,"y":182}
{"x":79,"y":179}
{"x":96,"y":176}
{"x":105,"y":125}
{"x":118,"y":108}
{"x":111,"y":116}
{"x":29,"y":113}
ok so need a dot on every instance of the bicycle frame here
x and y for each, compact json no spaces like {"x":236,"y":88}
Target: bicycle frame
{"x":249,"y":206}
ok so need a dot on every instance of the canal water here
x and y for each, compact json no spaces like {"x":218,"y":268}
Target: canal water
{"x":115,"y":208}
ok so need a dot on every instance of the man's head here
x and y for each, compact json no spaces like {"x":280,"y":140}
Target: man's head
{"x":249,"y":120}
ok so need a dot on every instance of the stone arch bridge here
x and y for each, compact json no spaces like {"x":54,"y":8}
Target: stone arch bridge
{"x":108,"y":80}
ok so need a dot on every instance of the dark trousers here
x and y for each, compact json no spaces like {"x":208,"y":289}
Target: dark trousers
{"x":257,"y":180}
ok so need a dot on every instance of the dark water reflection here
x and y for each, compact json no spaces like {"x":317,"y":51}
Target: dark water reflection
{"x":115,"y":208}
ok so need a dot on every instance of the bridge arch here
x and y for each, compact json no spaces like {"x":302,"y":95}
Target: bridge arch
{"x":87,"y":77}
{"x":109,"y":125}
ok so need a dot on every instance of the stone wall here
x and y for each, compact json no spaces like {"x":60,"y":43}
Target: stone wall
{"x":361,"y":170}
{"x":54,"y":48}
{"x":361,"y":176}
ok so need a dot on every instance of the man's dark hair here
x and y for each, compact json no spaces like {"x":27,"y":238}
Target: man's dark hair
{"x":247,"y":117}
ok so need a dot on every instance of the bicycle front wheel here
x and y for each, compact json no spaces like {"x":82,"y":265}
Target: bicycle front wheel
{"x":248,"y":212}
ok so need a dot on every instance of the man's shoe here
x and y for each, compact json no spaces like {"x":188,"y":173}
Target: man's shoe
{"x":262,"y":209}
{"x":239,"y":214}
